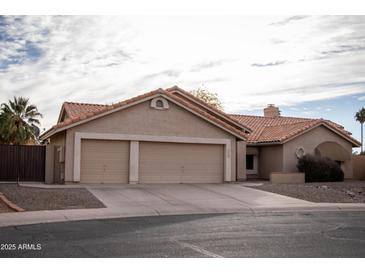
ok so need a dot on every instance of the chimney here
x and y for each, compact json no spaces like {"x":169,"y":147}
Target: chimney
{"x":271,"y":111}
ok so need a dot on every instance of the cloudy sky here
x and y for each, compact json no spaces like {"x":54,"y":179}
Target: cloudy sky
{"x":308,"y":65}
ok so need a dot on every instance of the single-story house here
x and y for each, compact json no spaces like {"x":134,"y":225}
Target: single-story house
{"x":170,"y":136}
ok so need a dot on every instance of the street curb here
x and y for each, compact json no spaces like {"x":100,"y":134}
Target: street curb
{"x":55,"y":216}
{"x":52,"y":186}
{"x":10,"y":204}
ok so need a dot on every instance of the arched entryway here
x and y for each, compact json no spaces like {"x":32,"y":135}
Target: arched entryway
{"x":333,"y":151}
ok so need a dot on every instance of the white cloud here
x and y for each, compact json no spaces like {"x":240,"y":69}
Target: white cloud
{"x":248,"y":60}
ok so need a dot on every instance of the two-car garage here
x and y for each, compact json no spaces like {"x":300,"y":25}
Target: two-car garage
{"x":108,"y":161}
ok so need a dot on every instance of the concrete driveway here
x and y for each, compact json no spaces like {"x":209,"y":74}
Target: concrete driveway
{"x":168,"y":199}
{"x":189,"y":198}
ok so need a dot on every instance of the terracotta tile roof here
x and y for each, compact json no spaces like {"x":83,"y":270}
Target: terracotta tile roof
{"x":89,"y":110}
{"x":207,"y":115}
{"x":207,"y":106}
{"x":280,"y":133}
{"x":74,"y":110}
{"x":77,"y":112}
{"x":263,"y":129}
{"x":280,"y":129}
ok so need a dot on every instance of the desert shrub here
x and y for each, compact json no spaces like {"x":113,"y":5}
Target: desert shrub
{"x":320,"y":169}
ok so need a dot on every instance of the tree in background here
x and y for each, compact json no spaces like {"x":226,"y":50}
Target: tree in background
{"x":360,"y":117}
{"x":19,"y":122}
{"x":208,"y":97}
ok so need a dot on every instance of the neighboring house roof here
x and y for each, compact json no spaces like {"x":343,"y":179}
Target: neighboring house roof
{"x":77,"y":113}
{"x":282,"y":129}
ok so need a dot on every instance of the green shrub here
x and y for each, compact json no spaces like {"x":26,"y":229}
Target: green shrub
{"x":320,"y":169}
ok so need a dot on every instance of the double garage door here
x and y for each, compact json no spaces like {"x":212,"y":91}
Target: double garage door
{"x":104,"y":161}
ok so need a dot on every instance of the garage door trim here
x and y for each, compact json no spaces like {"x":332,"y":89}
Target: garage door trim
{"x":104,"y":161}
{"x":169,"y":162}
{"x":149,"y":138}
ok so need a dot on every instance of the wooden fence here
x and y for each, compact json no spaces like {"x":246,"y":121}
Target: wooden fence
{"x":22,"y":163}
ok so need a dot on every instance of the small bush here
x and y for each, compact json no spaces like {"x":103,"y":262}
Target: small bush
{"x":320,"y":169}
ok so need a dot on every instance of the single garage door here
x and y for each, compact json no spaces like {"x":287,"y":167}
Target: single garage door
{"x":104,"y":161}
{"x":181,"y":163}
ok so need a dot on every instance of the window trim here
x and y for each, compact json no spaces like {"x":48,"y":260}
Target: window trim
{"x":165,"y":104}
{"x":253,"y":171}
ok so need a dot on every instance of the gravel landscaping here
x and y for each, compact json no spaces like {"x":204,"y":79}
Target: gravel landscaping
{"x":332,"y":192}
{"x":30,"y":198}
{"x":4,"y":208}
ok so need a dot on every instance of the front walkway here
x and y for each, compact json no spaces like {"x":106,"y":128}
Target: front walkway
{"x":168,"y":199}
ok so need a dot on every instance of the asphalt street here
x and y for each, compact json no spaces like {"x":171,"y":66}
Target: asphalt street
{"x":289,"y":234}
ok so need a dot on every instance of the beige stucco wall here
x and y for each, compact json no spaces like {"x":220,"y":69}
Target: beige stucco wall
{"x":309,"y":141}
{"x":144,"y":120}
{"x":194,"y":103}
{"x":241,"y":161}
{"x":358,"y":167}
{"x":58,"y":139}
{"x":49,"y":165}
{"x":55,"y":168}
{"x":270,"y":160}
{"x":287,"y":178}
{"x":253,"y":150}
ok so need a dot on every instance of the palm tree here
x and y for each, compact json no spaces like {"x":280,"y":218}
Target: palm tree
{"x":360,"y":117}
{"x":19,"y":122}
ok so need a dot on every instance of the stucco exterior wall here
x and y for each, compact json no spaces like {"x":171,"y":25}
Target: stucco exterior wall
{"x":144,"y":120}
{"x":270,"y":160}
{"x":252,"y":150}
{"x":358,"y":167}
{"x":194,"y":103}
{"x":309,"y":141}
{"x":287,"y":178}
{"x":55,"y":168}
{"x":241,"y":161}
{"x":58,"y":139}
{"x":49,"y":165}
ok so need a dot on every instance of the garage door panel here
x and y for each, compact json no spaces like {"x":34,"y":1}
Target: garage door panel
{"x":181,"y":163}
{"x":104,"y":161}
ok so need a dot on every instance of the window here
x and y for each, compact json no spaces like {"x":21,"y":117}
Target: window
{"x":159,"y":104}
{"x":249,"y":161}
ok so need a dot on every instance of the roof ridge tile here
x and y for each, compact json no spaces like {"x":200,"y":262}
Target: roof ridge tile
{"x":81,"y":103}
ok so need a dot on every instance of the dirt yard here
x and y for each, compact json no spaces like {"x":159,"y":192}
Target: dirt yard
{"x":30,"y":198}
{"x":4,"y":208}
{"x":332,"y":192}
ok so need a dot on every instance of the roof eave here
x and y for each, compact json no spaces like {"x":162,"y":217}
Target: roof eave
{"x":48,"y":133}
{"x":227,"y":118}
{"x":264,"y":143}
{"x":244,"y":138}
{"x":63,"y":110}
{"x":55,"y":130}
{"x":353,"y":141}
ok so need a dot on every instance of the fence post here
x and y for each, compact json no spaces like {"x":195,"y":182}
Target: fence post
{"x":17,"y":164}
